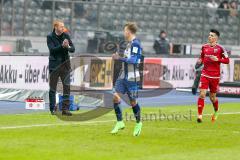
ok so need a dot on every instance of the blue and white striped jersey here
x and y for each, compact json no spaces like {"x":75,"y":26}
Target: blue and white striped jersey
{"x":131,"y":59}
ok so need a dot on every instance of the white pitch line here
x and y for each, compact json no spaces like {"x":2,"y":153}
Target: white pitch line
{"x":92,"y":123}
{"x":107,"y":121}
{"x":204,"y":130}
{"x":55,"y":124}
{"x":227,"y":113}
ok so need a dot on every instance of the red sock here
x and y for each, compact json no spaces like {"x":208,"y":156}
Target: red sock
{"x":215,"y":105}
{"x":200,"y":106}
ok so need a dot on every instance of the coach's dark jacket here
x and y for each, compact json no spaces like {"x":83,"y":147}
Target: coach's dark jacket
{"x":58,"y":54}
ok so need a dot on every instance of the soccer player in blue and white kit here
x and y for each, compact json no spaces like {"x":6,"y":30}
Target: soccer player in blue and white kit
{"x":127,"y":82}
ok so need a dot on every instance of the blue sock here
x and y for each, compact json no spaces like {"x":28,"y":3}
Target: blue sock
{"x":118,"y":111}
{"x":137,"y":112}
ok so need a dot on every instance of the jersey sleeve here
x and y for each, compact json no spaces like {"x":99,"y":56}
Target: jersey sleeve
{"x":225,"y":58}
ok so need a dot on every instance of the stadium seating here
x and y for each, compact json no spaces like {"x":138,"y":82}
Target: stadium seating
{"x":185,"y":21}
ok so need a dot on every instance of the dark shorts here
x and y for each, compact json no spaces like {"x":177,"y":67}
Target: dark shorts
{"x":126,"y":87}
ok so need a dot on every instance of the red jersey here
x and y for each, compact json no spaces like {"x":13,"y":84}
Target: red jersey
{"x":211,"y":68}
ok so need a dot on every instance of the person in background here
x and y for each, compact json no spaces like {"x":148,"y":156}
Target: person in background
{"x":223,"y":10}
{"x":233,"y":9}
{"x":198,"y":72}
{"x":162,"y":45}
{"x":212,"y":8}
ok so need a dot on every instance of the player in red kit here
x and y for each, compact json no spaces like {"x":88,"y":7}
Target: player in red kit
{"x":212,"y":55}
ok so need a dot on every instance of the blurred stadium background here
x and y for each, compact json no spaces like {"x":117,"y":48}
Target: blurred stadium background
{"x":24,"y":25}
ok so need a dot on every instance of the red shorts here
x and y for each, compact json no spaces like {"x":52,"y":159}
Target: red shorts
{"x":212,"y":83}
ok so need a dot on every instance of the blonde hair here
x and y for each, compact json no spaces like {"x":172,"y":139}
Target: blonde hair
{"x":131,"y":26}
{"x":56,"y":23}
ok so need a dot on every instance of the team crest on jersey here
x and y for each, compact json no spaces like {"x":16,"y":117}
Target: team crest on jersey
{"x":215,"y":50}
{"x":135,"y":50}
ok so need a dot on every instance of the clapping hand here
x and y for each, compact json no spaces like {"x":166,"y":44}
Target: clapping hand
{"x":65,"y":43}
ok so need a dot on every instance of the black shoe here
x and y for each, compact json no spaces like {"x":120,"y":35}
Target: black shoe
{"x":53,"y":112}
{"x":66,"y":113}
{"x":199,"y":120}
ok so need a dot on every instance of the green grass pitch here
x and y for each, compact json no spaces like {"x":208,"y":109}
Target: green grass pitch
{"x":40,"y":136}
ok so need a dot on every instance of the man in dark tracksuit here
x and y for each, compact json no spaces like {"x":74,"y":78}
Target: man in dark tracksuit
{"x":59,"y":44}
{"x":198,"y":71}
{"x":162,"y":45}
